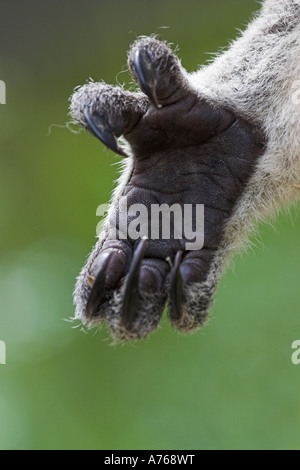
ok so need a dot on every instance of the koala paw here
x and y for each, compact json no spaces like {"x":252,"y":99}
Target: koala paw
{"x":182,"y":150}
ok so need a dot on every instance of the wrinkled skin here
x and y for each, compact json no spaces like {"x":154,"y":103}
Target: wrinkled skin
{"x":185,"y":150}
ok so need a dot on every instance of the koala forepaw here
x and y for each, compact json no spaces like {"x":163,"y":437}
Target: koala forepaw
{"x":184,"y":151}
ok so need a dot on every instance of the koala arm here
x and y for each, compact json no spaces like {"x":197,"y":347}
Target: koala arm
{"x":259,"y":77}
{"x":234,"y":125}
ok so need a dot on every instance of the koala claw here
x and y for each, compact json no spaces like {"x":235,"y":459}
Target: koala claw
{"x":176,"y":288}
{"x":99,"y":127}
{"x":131,"y":290}
{"x":98,"y":290}
{"x":146,"y":75}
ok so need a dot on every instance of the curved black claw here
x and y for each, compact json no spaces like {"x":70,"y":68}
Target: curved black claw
{"x":145,"y":75}
{"x":102,"y":131}
{"x":176,"y":288}
{"x":98,"y":290}
{"x":130,"y":300}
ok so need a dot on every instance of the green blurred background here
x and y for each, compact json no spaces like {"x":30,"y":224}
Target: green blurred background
{"x":232,"y":385}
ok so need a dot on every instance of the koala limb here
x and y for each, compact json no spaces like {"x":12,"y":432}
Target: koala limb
{"x":226,"y":136}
